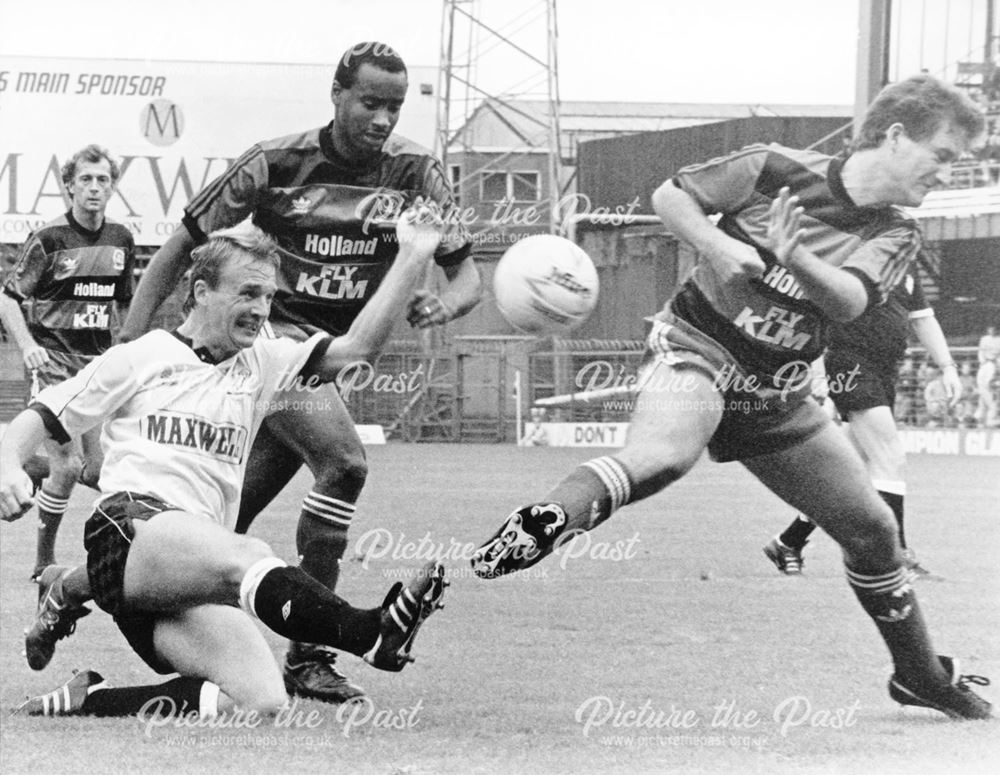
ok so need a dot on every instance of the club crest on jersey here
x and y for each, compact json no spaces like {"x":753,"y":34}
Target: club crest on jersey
{"x":239,"y":379}
{"x":222,"y":441}
{"x":118,"y":259}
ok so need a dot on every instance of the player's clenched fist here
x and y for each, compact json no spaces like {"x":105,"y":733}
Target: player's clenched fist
{"x":735,"y":260}
{"x":35,"y":357}
{"x":420,"y":227}
{"x":15,"y":493}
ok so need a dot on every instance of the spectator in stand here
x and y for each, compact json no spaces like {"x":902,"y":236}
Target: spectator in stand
{"x":936,"y":399}
{"x":991,"y":155}
{"x":989,"y":354}
{"x":925,"y":373}
{"x":906,"y":382}
{"x":991,"y":85}
{"x":965,"y":411}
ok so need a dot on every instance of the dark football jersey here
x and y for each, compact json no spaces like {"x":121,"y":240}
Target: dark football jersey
{"x":768,"y":322}
{"x":880,"y":333}
{"x":334,"y":223}
{"x":73,"y":284}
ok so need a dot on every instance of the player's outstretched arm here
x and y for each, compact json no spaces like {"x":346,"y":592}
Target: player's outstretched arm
{"x":682,"y":215}
{"x":419,"y":233}
{"x":162,"y":276}
{"x":24,"y":435}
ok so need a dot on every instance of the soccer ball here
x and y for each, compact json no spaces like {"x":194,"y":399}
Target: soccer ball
{"x":545,"y":285}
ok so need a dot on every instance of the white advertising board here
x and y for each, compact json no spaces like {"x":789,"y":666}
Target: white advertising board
{"x":174,"y":126}
{"x":945,"y":441}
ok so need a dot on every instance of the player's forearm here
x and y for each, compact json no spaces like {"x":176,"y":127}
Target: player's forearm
{"x":464,"y":289}
{"x":24,"y":435}
{"x":14,"y":322}
{"x":683,"y":217}
{"x":839,"y":294}
{"x":372,"y":327}
{"x":930,"y":335}
{"x":162,"y":276}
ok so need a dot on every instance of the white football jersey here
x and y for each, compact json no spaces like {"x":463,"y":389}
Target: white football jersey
{"x":176,"y":427}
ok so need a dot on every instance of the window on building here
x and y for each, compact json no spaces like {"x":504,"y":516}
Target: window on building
{"x":494,"y":186}
{"x":524,"y":186}
{"x":455,"y":180}
{"x":511,"y":186}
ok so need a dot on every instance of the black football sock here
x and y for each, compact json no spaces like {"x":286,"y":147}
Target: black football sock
{"x":797,"y":534}
{"x":890,"y":601}
{"x":295,"y":605}
{"x":321,"y":538}
{"x":592,"y":492}
{"x":177,"y":697}
{"x":895,"y":501}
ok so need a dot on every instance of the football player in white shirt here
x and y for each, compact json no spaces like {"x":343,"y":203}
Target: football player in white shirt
{"x":179,"y":412}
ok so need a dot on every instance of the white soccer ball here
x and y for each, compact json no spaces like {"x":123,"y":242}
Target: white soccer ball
{"x":545,"y":285}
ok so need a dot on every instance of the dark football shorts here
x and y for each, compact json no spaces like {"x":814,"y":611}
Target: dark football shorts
{"x":107,"y":538}
{"x":859,"y":382}
{"x":754,"y":422}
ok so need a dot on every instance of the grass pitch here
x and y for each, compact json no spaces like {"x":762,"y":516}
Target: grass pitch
{"x":669,"y":644}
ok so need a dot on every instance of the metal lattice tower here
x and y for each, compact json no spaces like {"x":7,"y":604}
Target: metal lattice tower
{"x":486,"y":56}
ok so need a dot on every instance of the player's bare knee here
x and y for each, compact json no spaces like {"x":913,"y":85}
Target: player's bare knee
{"x":342,"y":475}
{"x":89,"y":475}
{"x":654,"y":470}
{"x":64,"y":471}
{"x":243,"y":554}
{"x":876,"y":537}
{"x":261,"y":696}
{"x":268,"y":702}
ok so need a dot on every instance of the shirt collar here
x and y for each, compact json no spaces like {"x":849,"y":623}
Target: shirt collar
{"x":202,"y":353}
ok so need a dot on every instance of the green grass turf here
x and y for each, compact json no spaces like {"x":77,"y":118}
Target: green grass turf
{"x":694,"y":628}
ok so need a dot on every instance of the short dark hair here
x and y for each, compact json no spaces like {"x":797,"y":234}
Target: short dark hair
{"x":922,"y":104}
{"x":381,"y":55}
{"x":92,"y":154}
{"x":208,"y":259}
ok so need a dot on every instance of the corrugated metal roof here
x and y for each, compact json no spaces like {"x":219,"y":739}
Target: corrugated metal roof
{"x":528,"y":118}
{"x":574,"y":108}
{"x":972,"y":213}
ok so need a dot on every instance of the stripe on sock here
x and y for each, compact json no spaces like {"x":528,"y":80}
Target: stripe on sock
{"x":329,"y":509}
{"x":51,"y":503}
{"x":885,"y":583}
{"x":252,"y":579}
{"x":615,"y":479}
